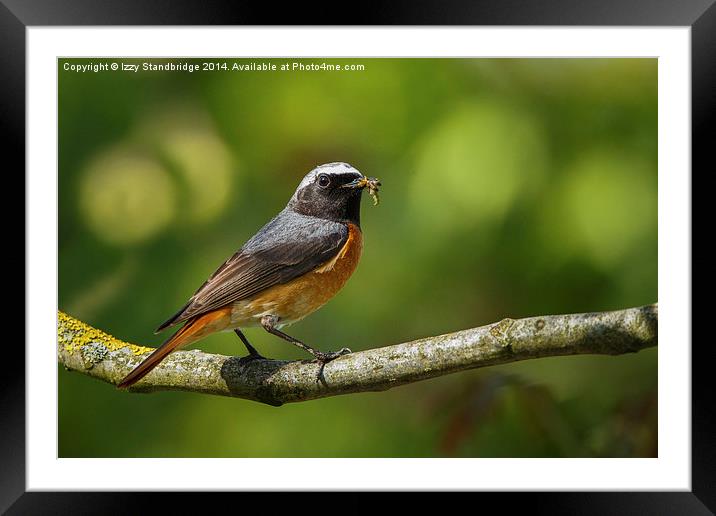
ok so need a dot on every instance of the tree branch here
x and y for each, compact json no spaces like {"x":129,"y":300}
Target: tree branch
{"x":94,"y":353}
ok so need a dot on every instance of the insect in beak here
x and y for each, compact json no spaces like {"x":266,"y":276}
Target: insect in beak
{"x":371,"y":183}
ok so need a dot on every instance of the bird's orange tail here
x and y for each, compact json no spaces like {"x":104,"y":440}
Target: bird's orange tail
{"x":193,"y":330}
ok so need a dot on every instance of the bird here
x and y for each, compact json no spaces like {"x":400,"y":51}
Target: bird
{"x":290,"y":268}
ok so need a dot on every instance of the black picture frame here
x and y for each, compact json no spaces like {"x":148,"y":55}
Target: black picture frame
{"x":17,"y":15}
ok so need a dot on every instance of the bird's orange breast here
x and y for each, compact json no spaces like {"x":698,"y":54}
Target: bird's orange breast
{"x":296,"y":299}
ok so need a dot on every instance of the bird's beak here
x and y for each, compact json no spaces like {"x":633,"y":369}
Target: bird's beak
{"x":371,"y":182}
{"x":357,"y":183}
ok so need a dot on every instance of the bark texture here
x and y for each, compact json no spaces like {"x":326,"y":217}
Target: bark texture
{"x":85,"y":349}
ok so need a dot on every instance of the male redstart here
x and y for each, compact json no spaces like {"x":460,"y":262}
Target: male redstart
{"x":290,"y":268}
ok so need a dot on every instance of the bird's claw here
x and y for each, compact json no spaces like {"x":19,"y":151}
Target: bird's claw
{"x":324,"y":358}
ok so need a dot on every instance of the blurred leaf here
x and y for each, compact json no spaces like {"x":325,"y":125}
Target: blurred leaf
{"x":186,"y":138}
{"x":468,"y":171}
{"x":126,"y":197}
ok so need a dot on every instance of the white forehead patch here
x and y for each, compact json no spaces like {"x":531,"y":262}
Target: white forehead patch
{"x":329,"y":168}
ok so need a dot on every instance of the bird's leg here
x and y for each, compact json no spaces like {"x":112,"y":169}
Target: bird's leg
{"x":252,"y":350}
{"x":269,"y":323}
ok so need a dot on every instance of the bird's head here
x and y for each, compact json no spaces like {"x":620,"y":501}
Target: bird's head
{"x":332,"y":191}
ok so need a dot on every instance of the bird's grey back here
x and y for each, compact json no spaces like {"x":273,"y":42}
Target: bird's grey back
{"x":289,"y":227}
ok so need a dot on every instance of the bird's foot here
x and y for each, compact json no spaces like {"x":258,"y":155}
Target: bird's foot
{"x":324,"y":358}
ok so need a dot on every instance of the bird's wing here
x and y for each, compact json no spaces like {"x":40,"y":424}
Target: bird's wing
{"x":286,"y":248}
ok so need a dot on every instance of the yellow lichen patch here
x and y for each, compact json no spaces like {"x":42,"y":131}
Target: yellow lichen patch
{"x":74,"y":335}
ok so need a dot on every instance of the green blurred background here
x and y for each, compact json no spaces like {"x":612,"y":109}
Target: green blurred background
{"x":511,"y":188}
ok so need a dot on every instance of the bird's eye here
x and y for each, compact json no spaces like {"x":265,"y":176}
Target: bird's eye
{"x":324,"y":180}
